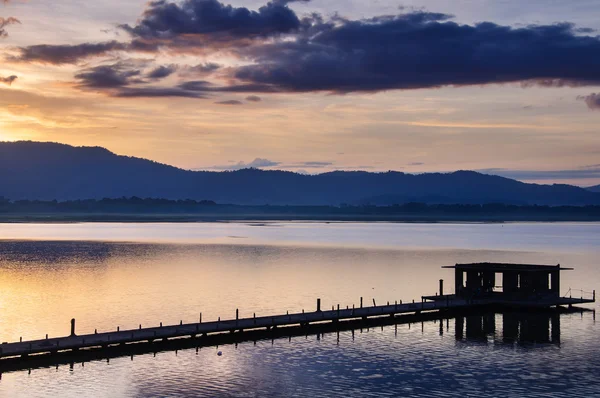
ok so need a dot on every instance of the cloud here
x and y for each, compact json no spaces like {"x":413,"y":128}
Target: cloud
{"x":253,"y":98}
{"x":230,"y":102}
{"x":203,"y":85}
{"x":205,"y":68}
{"x":108,"y":76}
{"x":256,"y":163}
{"x":279,"y":52}
{"x":585,"y":172}
{"x":155,"y":92}
{"x":124,"y":80}
{"x":592,"y":101}
{"x":162,"y":71}
{"x":416,"y":164}
{"x":65,"y":54}
{"x":315,"y":165}
{"x":8,"y":80}
{"x":212,"y":21}
{"x":422,"y":50}
{"x":4,"y":22}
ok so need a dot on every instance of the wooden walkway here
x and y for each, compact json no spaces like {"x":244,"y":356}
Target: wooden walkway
{"x":163,"y":333}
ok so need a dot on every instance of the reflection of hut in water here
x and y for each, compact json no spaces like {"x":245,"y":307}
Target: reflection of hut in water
{"x":514,"y":327}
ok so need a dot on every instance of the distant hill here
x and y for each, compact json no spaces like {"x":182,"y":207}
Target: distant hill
{"x":595,"y":188}
{"x":47,"y":171}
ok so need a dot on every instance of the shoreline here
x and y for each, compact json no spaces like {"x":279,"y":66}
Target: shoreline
{"x":66,"y":218}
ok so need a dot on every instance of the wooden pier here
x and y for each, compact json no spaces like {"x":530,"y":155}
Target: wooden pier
{"x":464,"y":301}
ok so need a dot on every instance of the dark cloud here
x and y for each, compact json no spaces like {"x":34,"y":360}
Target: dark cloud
{"x":205,"y":86}
{"x":8,"y":80}
{"x":592,"y":101}
{"x":65,"y":54}
{"x":4,"y":22}
{"x":123,"y":79}
{"x":423,"y":50}
{"x":108,"y":76}
{"x":253,"y":98}
{"x":414,"y":50}
{"x":155,"y":92}
{"x":162,"y":71}
{"x":416,"y":164}
{"x":213,"y":21}
{"x":230,"y":102}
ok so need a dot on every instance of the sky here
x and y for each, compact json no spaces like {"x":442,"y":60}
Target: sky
{"x":504,"y":87}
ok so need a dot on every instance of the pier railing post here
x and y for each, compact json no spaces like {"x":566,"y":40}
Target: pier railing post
{"x":72,"y":327}
{"x":361,"y":302}
{"x":318,"y":305}
{"x":441,"y":287}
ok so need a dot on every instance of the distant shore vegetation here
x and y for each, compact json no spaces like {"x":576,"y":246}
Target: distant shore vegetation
{"x":154,"y":209}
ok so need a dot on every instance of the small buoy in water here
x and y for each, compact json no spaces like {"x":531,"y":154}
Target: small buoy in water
{"x":219,"y":353}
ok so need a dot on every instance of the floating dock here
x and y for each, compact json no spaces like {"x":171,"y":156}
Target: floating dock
{"x":524,"y":286}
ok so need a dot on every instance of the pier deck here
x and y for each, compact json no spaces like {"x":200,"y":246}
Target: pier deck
{"x":162,"y":333}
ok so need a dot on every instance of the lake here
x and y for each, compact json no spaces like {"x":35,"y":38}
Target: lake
{"x":109,"y":275}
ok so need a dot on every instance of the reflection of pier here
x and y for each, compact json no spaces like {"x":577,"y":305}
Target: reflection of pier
{"x":535,"y":287}
{"x":522,"y":328}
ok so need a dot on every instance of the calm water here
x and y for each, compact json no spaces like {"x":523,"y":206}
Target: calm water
{"x":109,"y":275}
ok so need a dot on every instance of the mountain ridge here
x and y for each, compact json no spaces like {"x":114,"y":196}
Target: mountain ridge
{"x":46,"y":171}
{"x":595,"y":188}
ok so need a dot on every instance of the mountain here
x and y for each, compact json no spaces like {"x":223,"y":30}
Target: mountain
{"x":47,"y":171}
{"x":595,"y":188}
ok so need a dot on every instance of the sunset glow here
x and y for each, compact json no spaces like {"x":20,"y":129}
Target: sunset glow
{"x":118,"y":76}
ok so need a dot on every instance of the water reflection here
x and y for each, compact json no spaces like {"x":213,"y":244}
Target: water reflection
{"x":509,"y":328}
{"x":104,"y":285}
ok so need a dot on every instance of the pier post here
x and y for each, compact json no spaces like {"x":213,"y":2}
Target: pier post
{"x":318,"y":305}
{"x":338,"y":311}
{"x":441,"y":287}
{"x":200,"y":318}
{"x":594,"y":295}
{"x":237,"y":316}
{"x":72,"y":327}
{"x":374,"y":305}
{"x":361,"y":302}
